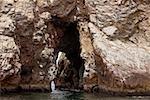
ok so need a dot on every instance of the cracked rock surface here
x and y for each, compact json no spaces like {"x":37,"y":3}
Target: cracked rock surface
{"x":120,"y":35}
{"x":106,"y":44}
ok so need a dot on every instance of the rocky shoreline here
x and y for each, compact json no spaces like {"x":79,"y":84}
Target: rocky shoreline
{"x":100,"y":45}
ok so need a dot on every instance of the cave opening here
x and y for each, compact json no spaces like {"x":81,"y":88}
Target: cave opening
{"x":70,"y":45}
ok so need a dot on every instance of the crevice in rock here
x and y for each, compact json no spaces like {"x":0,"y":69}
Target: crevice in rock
{"x":26,"y":73}
{"x":72,"y":67}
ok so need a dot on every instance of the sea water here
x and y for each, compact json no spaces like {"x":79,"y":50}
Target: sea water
{"x":67,"y":95}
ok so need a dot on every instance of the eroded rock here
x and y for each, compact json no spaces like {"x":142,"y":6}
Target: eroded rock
{"x":106,"y":42}
{"x":119,"y":54}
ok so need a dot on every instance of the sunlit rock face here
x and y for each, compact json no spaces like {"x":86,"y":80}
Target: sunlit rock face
{"x":30,"y":35}
{"x":10,"y":65}
{"x":87,"y":53}
{"x":106,"y":44}
{"x":28,"y":42}
{"x":121,"y":41}
{"x":9,"y":60}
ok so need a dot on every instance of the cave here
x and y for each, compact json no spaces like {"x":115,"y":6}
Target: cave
{"x":70,"y":45}
{"x":26,"y":74}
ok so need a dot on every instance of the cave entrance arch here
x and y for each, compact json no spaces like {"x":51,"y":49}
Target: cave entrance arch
{"x":70,"y":45}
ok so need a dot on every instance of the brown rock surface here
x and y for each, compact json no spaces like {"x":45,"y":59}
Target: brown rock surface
{"x":106,"y":42}
{"x":121,"y":44}
{"x":27,"y":45}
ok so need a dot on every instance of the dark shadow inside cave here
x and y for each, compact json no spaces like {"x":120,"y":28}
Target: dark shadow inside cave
{"x":25,"y":74}
{"x":70,"y":45}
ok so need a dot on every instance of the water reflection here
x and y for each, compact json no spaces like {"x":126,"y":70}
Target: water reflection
{"x":65,"y":95}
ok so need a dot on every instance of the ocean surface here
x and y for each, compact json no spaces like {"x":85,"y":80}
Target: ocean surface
{"x":66,"y":95}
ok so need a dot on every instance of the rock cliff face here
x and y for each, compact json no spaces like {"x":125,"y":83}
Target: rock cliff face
{"x":105,"y":45}
{"x":121,"y":41}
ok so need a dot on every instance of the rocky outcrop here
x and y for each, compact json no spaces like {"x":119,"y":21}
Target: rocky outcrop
{"x":28,"y":40}
{"x":9,"y":59}
{"x":106,"y":44}
{"x":121,"y":44}
{"x":32,"y":33}
{"x":90,"y":78}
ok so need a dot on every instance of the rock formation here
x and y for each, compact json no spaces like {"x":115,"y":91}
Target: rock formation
{"x":106,"y":45}
{"x":121,"y":44}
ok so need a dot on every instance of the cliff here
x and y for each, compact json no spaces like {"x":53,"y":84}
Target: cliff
{"x":94,"y":45}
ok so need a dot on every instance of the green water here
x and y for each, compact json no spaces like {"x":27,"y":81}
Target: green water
{"x":65,"y":95}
